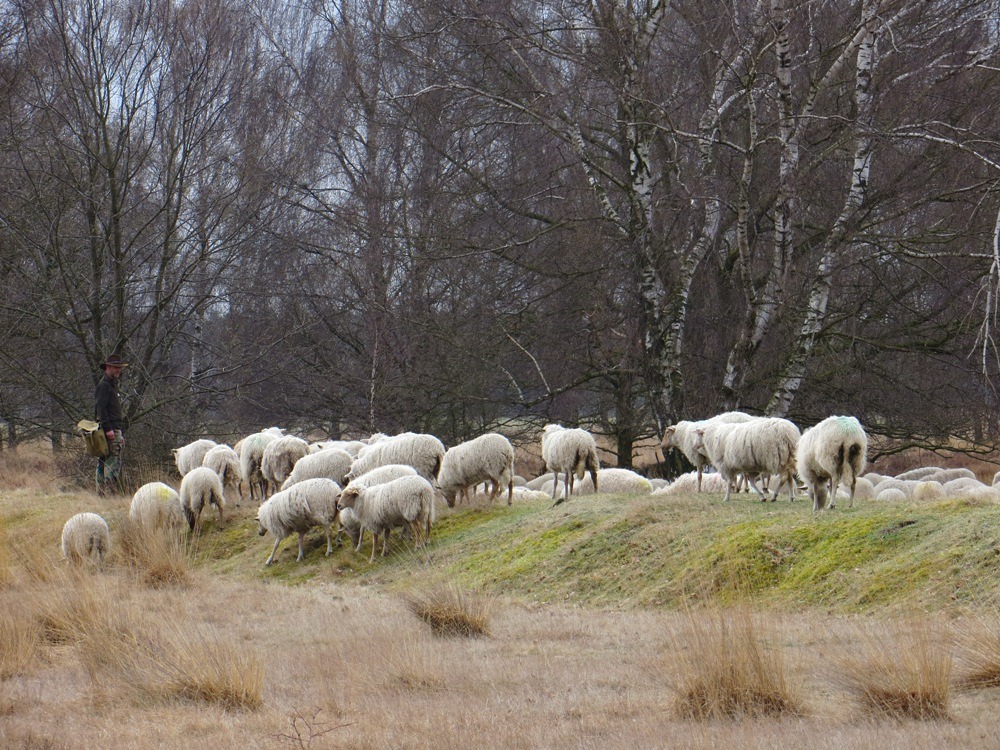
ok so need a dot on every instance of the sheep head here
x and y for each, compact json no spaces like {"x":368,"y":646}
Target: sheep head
{"x":348,"y":498}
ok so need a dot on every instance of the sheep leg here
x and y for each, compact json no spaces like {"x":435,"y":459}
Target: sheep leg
{"x":375,"y":536}
{"x":385,"y":541}
{"x":833,"y":492}
{"x":417,"y":533}
{"x":329,"y":541}
{"x":494,"y":489}
{"x":699,"y":478}
{"x":729,"y":487}
{"x":302,"y":550}
{"x":753,"y":483}
{"x":510,"y":492}
{"x":274,"y":551}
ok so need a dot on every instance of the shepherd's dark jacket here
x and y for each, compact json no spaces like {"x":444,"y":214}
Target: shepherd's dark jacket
{"x":108,"y":405}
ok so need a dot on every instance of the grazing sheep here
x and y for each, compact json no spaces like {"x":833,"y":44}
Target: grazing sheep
{"x":921,"y":472}
{"x":569,"y":451}
{"x":157,"y":506}
{"x":945,"y":475}
{"x":906,"y":486}
{"x":681,"y":437}
{"x":225,"y":462}
{"x":279,"y":458}
{"x":487,"y":458}
{"x":523,"y":494}
{"x":251,"y":454}
{"x":540,"y":481}
{"x":331,"y":463}
{"x":348,"y":520}
{"x":201,"y":487}
{"x":407,"y":501}
{"x":309,"y":503}
{"x":828,"y":453}
{"x":928,"y":491}
{"x":615,"y":481}
{"x":85,"y":538}
{"x":191,"y":455}
{"x":955,"y":487}
{"x":863,"y":490}
{"x":874,"y":478}
{"x":765,"y":445}
{"x":890,"y":495}
{"x":687,"y":483}
{"x":348,"y":446}
{"x":423,"y":452}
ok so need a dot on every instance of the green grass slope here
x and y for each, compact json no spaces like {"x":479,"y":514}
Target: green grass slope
{"x":614,"y":551}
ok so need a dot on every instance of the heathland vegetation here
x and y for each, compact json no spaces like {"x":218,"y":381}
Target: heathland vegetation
{"x":608,"y":621}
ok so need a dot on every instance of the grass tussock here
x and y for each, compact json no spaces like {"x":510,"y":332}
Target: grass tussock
{"x":899,"y":671}
{"x":978,"y":654}
{"x":20,"y":641}
{"x":80,"y":607}
{"x":451,"y":611}
{"x":32,"y":467}
{"x":159,"y":556}
{"x":6,"y":569}
{"x":729,"y":669}
{"x":36,"y":562}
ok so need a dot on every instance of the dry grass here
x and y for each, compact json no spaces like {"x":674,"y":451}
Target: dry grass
{"x":451,"y":611}
{"x":159,"y":556}
{"x":20,"y":641}
{"x":899,"y":670}
{"x":978,"y":653}
{"x":730,"y":668}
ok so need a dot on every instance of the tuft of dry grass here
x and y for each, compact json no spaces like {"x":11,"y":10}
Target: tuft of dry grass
{"x":159,"y":556}
{"x":451,"y":611}
{"x":728,"y":668}
{"x":20,"y":641}
{"x":34,"y":560}
{"x":978,"y":653}
{"x":899,"y":670}
{"x":6,"y":570}
{"x":176,"y":662}
{"x":79,"y":607}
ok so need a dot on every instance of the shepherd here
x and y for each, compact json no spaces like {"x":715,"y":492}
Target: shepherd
{"x":109,"y":414}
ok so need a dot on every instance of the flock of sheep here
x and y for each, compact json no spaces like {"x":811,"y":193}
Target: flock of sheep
{"x":382,"y":483}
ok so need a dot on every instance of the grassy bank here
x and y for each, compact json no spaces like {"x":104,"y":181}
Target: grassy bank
{"x":654,"y":551}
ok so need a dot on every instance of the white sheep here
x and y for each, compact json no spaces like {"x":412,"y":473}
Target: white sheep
{"x":407,"y":501}
{"x":191,"y":455}
{"x":251,"y":454}
{"x":572,"y":452}
{"x":890,"y":495}
{"x":279,"y":458}
{"x":423,"y":452}
{"x":331,"y":463}
{"x":541,"y":480}
{"x":686,"y":483}
{"x":487,"y":458}
{"x":928,"y":491}
{"x":348,"y":520}
{"x":309,"y":503}
{"x":201,"y":487}
{"x":831,"y":452}
{"x":348,"y":446}
{"x":945,"y":475}
{"x":765,"y":445}
{"x":681,"y":436}
{"x":85,"y":538}
{"x":921,"y":472}
{"x":863,"y":490}
{"x":225,"y":462}
{"x":616,"y":481}
{"x":157,"y":506}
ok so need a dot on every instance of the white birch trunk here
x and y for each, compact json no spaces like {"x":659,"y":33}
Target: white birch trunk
{"x":819,"y":295}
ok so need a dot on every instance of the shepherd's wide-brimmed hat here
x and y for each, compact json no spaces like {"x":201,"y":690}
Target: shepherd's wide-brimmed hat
{"x":115,"y":360}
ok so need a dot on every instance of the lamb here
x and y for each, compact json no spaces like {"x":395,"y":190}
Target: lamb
{"x":251,"y":454}
{"x":157,"y":506}
{"x":407,"y":501}
{"x":331,"y":463}
{"x":279,"y":458}
{"x":765,"y":445}
{"x":225,"y":462}
{"x":201,"y":487}
{"x":681,"y":437}
{"x":423,"y":452}
{"x":191,"y":455}
{"x":85,"y":538}
{"x":487,"y":458}
{"x":832,"y":451}
{"x":572,"y":451}
{"x":309,"y":503}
